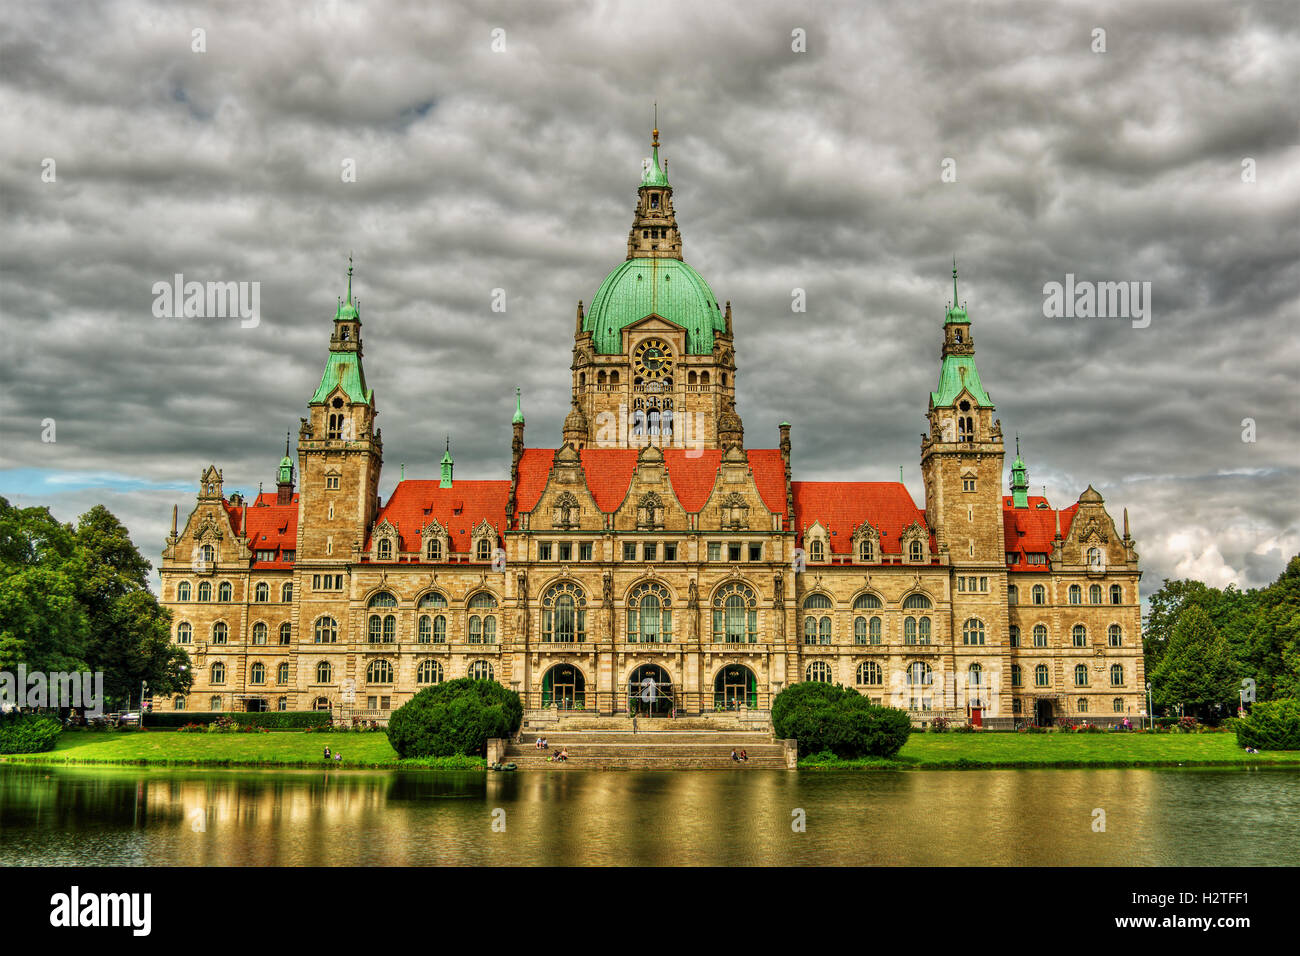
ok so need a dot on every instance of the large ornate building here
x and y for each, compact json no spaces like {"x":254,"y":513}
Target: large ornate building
{"x":655,"y":560}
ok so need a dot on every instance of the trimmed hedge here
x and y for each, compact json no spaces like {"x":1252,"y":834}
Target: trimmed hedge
{"x":1271,"y":725}
{"x":28,"y":733}
{"x":453,"y":718}
{"x":838,"y":719}
{"x":270,"y":719}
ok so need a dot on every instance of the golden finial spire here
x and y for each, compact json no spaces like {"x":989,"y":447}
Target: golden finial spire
{"x":655,"y":141}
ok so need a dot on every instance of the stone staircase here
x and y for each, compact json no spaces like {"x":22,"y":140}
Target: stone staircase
{"x":649,"y":749}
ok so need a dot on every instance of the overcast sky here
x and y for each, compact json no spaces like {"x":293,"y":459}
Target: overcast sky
{"x":515,"y":168}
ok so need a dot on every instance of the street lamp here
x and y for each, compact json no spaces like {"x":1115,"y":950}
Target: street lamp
{"x":1151,"y":714}
{"x":144,"y":686}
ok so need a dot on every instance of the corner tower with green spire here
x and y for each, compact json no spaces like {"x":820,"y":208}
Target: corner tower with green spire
{"x":961,"y":456}
{"x":654,"y":359}
{"x":340,"y":453}
{"x":1019,"y":480}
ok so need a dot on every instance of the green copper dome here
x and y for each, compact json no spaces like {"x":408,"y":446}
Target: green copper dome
{"x":665,"y":287}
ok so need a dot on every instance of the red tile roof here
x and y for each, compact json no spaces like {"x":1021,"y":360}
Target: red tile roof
{"x":609,"y":474}
{"x":271,"y":527}
{"x":841,"y":506}
{"x":458,"y":508}
{"x":1032,"y":529}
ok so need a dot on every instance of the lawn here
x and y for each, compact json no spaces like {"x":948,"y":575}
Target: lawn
{"x":274,"y":749}
{"x":981,"y":750}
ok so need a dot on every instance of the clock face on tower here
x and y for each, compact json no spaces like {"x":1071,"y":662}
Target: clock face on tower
{"x":654,"y":359}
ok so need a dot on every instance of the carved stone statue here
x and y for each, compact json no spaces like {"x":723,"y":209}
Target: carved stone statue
{"x":608,"y":599}
{"x":693,"y":609}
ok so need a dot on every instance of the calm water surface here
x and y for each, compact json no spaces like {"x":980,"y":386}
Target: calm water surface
{"x":355,"y":818}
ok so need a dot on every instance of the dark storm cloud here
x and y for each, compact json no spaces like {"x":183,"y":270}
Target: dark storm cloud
{"x":516,"y":170}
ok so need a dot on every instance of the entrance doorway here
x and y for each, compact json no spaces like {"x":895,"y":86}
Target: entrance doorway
{"x":650,"y":691}
{"x":735,"y":688}
{"x":564,"y":687}
{"x":1043,"y":715}
{"x":255,"y":705}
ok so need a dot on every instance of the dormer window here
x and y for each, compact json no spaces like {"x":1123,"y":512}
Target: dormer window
{"x":385,"y":550}
{"x":654,"y":200}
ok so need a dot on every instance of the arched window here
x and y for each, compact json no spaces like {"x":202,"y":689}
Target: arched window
{"x":382,"y":630}
{"x":482,"y":623}
{"x":1013,"y":594}
{"x":924,"y":626}
{"x":974,"y":684}
{"x":866,"y":550}
{"x":379,"y":672}
{"x":869,"y":674}
{"x":1081,"y":675}
{"x":909,"y":630}
{"x":425,"y":629}
{"x":1013,"y":635}
{"x":429,"y":672}
{"x":917,"y":601}
{"x":1115,"y":636}
{"x":183,"y":591}
{"x":915,"y":551}
{"x":867,"y":602}
{"x":649,"y":614}
{"x":1094,"y":559}
{"x":1017,"y":679}
{"x":1080,"y":635}
{"x":972,"y":632}
{"x":817,"y":628}
{"x":220,"y":633}
{"x":1040,"y":594}
{"x":320,"y":703}
{"x":1117,"y":705}
{"x":1042,"y":676}
{"x":207,"y":555}
{"x":218,"y":673}
{"x":257,"y":673}
{"x":1076,"y":594}
{"x":327,"y":630}
{"x":214,"y":703}
{"x":184,"y":633}
{"x":1040,"y":635}
{"x":205,"y":591}
{"x":179,"y":703}
{"x":433,"y":550}
{"x":735,"y":614}
{"x":866,"y":630}
{"x":282,"y":673}
{"x":484,"y":549}
{"x":282,"y":703}
{"x":324,"y":672}
{"x":261,"y":593}
{"x":286,"y":592}
{"x":1117,"y":675}
{"x":433,"y":601}
{"x":224,"y":592}
{"x":383,"y":599}
{"x":820,"y":672}
{"x":564,"y":614}
{"x":1116,"y":594}
{"x":817,"y":550}
{"x":1094,"y":594}
{"x":480,"y":670}
{"x":385,"y":549}
{"x":920,"y":682}
{"x":259,"y":633}
{"x":286,"y":633}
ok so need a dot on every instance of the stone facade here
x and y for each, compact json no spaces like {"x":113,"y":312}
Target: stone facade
{"x":653,"y":561}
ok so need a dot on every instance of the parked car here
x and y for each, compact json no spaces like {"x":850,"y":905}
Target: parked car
{"x":127,"y":719}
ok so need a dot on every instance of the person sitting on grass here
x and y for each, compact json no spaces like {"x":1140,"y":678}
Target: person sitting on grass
{"x":562,"y":755}
{"x":744,"y":755}
{"x":327,"y":753}
{"x":734,"y":756}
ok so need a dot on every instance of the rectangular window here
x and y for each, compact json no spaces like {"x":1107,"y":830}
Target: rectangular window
{"x":1013,"y":557}
{"x":266,"y":555}
{"x":733,"y":551}
{"x":372,"y":703}
{"x":670,"y":551}
{"x":566,"y":552}
{"x":968,"y":484}
{"x":629,"y":550}
{"x":331,"y":482}
{"x":984,"y":585}
{"x":756,"y":552}
{"x":961,"y":584}
{"x":1037,"y":559}
{"x":385,"y":703}
{"x":715,"y":551}
{"x":650,"y":551}
{"x":585,"y":551}
{"x":544,"y":551}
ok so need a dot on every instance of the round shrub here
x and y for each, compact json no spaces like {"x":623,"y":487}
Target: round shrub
{"x":28,"y":733}
{"x":1271,"y":725}
{"x":454,"y":718}
{"x":825,"y":717}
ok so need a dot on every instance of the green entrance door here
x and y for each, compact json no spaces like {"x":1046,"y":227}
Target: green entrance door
{"x":650,"y":691}
{"x":735,"y":688}
{"x":564,"y":687}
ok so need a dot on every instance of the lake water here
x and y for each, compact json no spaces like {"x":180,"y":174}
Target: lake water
{"x":135,"y":817}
